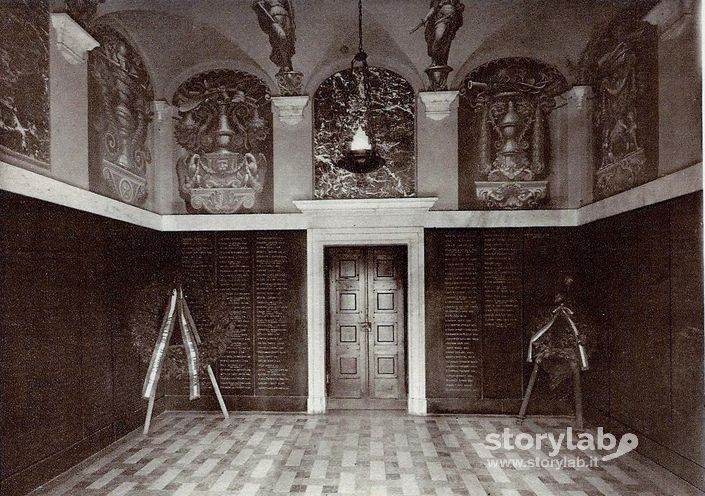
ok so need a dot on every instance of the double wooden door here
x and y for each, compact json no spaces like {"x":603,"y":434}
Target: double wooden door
{"x":366,"y":327}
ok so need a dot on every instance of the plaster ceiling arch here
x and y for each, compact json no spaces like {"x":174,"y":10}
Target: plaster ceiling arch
{"x":177,"y":47}
{"x":553,"y":31}
{"x":135,"y":43}
{"x":338,"y":43}
{"x":381,"y":48}
{"x":327,"y":70}
{"x":232,"y":22}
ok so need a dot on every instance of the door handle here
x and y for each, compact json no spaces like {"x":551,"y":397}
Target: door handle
{"x":366,"y":326}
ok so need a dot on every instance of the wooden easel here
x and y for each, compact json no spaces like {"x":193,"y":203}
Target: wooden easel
{"x":177,"y":308}
{"x":566,"y":313}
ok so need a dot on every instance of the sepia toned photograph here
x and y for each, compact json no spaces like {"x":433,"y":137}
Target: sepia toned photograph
{"x":355,"y":247}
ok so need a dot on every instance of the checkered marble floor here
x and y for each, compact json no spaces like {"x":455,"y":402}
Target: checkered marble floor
{"x":356,"y":453}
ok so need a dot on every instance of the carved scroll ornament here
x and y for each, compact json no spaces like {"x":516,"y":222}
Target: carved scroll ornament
{"x":123,"y":117}
{"x":219,"y":126}
{"x":622,"y":91}
{"x":511,"y":98}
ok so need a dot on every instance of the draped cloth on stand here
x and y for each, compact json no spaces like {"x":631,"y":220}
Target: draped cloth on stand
{"x":177,"y":311}
{"x":176,"y":308}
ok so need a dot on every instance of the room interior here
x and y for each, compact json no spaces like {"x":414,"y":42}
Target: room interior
{"x":371,"y":207}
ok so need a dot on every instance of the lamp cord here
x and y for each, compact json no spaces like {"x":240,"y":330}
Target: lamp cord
{"x":359,"y":25}
{"x":362,"y":58}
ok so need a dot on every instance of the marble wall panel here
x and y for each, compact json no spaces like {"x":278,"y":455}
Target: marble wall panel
{"x":506,"y":278}
{"x":339,"y":110}
{"x":24,"y":81}
{"x":688,"y":408}
{"x":263,"y":274}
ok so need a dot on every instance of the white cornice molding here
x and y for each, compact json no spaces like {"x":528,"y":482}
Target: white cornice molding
{"x":365,"y":206}
{"x":233,"y":222}
{"x":477,"y":219}
{"x":438,"y":103}
{"x":353,"y":214}
{"x":73,"y":41}
{"x":290,"y":109}
{"x":396,"y":212}
{"x":673,"y":185}
{"x":27,"y":183}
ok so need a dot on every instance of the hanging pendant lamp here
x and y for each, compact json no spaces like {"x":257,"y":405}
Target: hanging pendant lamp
{"x":360,"y":155}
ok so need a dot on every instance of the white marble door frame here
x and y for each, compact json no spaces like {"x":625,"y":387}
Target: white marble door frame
{"x":376,"y":226}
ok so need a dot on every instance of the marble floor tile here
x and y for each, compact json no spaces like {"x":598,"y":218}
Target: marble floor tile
{"x":354,"y":453}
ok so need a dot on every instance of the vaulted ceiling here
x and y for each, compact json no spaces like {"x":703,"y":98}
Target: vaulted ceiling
{"x":179,"y":38}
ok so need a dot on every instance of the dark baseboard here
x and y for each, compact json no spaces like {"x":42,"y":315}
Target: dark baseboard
{"x":495,"y":407}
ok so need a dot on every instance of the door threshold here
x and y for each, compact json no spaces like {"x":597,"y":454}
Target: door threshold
{"x":356,"y":404}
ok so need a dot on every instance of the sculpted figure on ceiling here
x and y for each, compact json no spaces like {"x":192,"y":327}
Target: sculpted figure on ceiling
{"x":441,"y":23}
{"x":276,"y":18}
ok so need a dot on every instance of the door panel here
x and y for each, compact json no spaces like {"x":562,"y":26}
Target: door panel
{"x":387,"y":376}
{"x":366,"y":325}
{"x":348,"y":367}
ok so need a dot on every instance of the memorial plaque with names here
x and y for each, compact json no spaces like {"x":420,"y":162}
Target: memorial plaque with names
{"x":263,"y":275}
{"x":462,"y":313}
{"x":502,"y":313}
{"x":234,"y":279}
{"x":197,"y":263}
{"x":271,"y":320}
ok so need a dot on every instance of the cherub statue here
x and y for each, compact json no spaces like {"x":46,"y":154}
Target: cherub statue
{"x":276,"y":18}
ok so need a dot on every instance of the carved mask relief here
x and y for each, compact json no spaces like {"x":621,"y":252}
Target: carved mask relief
{"x":120,"y":119}
{"x":24,"y":81}
{"x":510,"y":99}
{"x":626,"y":111}
{"x":224,"y":125}
{"x":339,"y":109}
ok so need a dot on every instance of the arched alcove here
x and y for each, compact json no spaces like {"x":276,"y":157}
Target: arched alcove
{"x":224,"y":129}
{"x":504,"y":137}
{"x":120,"y":96}
{"x":339,"y":109}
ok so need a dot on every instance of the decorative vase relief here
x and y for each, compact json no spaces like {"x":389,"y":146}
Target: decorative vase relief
{"x":225,"y":127}
{"x":339,"y":110}
{"x":625,"y":119}
{"x":24,"y":82}
{"x":510,"y":98}
{"x":120,"y":118}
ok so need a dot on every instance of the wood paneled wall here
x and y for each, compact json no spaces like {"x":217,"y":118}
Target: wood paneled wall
{"x":69,"y":377}
{"x":645,"y":275}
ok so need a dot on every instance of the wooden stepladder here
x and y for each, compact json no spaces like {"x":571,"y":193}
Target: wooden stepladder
{"x":177,"y":310}
{"x":577,"y":359}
